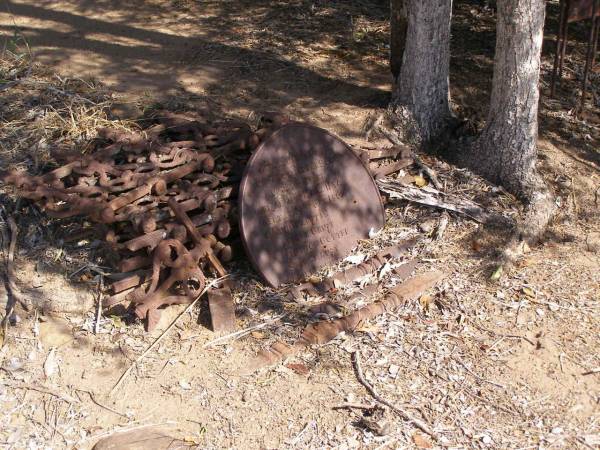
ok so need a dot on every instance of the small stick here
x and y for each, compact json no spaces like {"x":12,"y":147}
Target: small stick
{"x":164,"y":333}
{"x":299,"y":435}
{"x":108,"y":408}
{"x":428,"y":171}
{"x":353,"y":406}
{"x":560,"y":358}
{"x":590,"y":372}
{"x":518,"y":336}
{"x":43,"y":390}
{"x":9,"y":307}
{"x":10,"y":266}
{"x":99,"y":311}
{"x":241,"y":333}
{"x":401,"y":412}
{"x":478,"y":377}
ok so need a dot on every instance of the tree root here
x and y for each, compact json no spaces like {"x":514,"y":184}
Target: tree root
{"x":540,"y":208}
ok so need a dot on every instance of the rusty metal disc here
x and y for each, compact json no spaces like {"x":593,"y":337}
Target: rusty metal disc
{"x":305,"y":201}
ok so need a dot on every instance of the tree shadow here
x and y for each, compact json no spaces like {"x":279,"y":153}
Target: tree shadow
{"x":252,"y":55}
{"x":257,"y":55}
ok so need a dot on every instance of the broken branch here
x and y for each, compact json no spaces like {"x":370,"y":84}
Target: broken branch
{"x":437,"y":199}
{"x":371,"y":390}
{"x":241,"y":333}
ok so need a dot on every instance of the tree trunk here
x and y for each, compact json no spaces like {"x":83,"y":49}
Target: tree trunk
{"x":506,"y":150}
{"x":507,"y":147}
{"x":421,"y":99}
{"x":398,"y":26}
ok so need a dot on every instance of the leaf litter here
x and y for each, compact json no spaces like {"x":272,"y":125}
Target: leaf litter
{"x":467,"y":369}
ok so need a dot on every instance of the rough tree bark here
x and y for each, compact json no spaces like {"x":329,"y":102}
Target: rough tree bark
{"x":421,"y":98}
{"x":506,"y":151}
{"x":398,"y":26}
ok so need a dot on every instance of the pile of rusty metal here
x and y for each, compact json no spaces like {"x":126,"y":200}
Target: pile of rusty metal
{"x":164,"y":195}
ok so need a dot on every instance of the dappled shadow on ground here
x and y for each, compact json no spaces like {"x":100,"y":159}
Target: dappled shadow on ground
{"x":318,"y":60}
{"x":309,"y":58}
{"x":248,"y":55}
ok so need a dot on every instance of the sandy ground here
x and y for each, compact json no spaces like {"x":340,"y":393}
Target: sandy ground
{"x":505,"y":364}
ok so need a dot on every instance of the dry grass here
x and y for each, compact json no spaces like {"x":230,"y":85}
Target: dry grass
{"x":42,"y":111}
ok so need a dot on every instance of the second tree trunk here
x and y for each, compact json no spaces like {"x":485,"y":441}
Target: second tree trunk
{"x":506,"y":151}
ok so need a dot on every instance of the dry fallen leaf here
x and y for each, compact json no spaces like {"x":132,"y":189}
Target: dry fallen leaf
{"x":387,"y":268}
{"x":421,"y":441}
{"x":476,"y":245}
{"x":148,"y":438}
{"x":368,"y":328}
{"x":525,"y":262}
{"x":191,"y":440}
{"x":51,"y":363}
{"x":356,"y":259}
{"x":300,"y":369}
{"x":529,"y":292}
{"x":373,"y":232}
{"x":425,"y":301}
{"x":496,"y":274}
{"x":258,"y":335}
{"x":420,"y":181}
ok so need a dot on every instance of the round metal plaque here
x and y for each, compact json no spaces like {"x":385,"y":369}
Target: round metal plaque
{"x":305,"y":201}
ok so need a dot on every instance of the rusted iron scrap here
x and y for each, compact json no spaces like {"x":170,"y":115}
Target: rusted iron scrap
{"x":222,"y":312}
{"x":305,"y":188}
{"x":323,"y":331}
{"x":164,"y":196}
{"x":354,"y":273}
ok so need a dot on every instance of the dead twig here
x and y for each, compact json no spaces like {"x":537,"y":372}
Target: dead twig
{"x":13,"y":290}
{"x":478,"y":377}
{"x":353,"y":406}
{"x":492,"y":404}
{"x":99,"y":311}
{"x":401,"y":412}
{"x":164,"y":333}
{"x":428,"y":171}
{"x":108,"y":408}
{"x":241,"y":333}
{"x":4,"y":237}
{"x":437,"y":199}
{"x":43,"y":390}
{"x":508,"y":336}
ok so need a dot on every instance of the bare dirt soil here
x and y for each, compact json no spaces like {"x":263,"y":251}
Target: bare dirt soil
{"x":511,"y":363}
